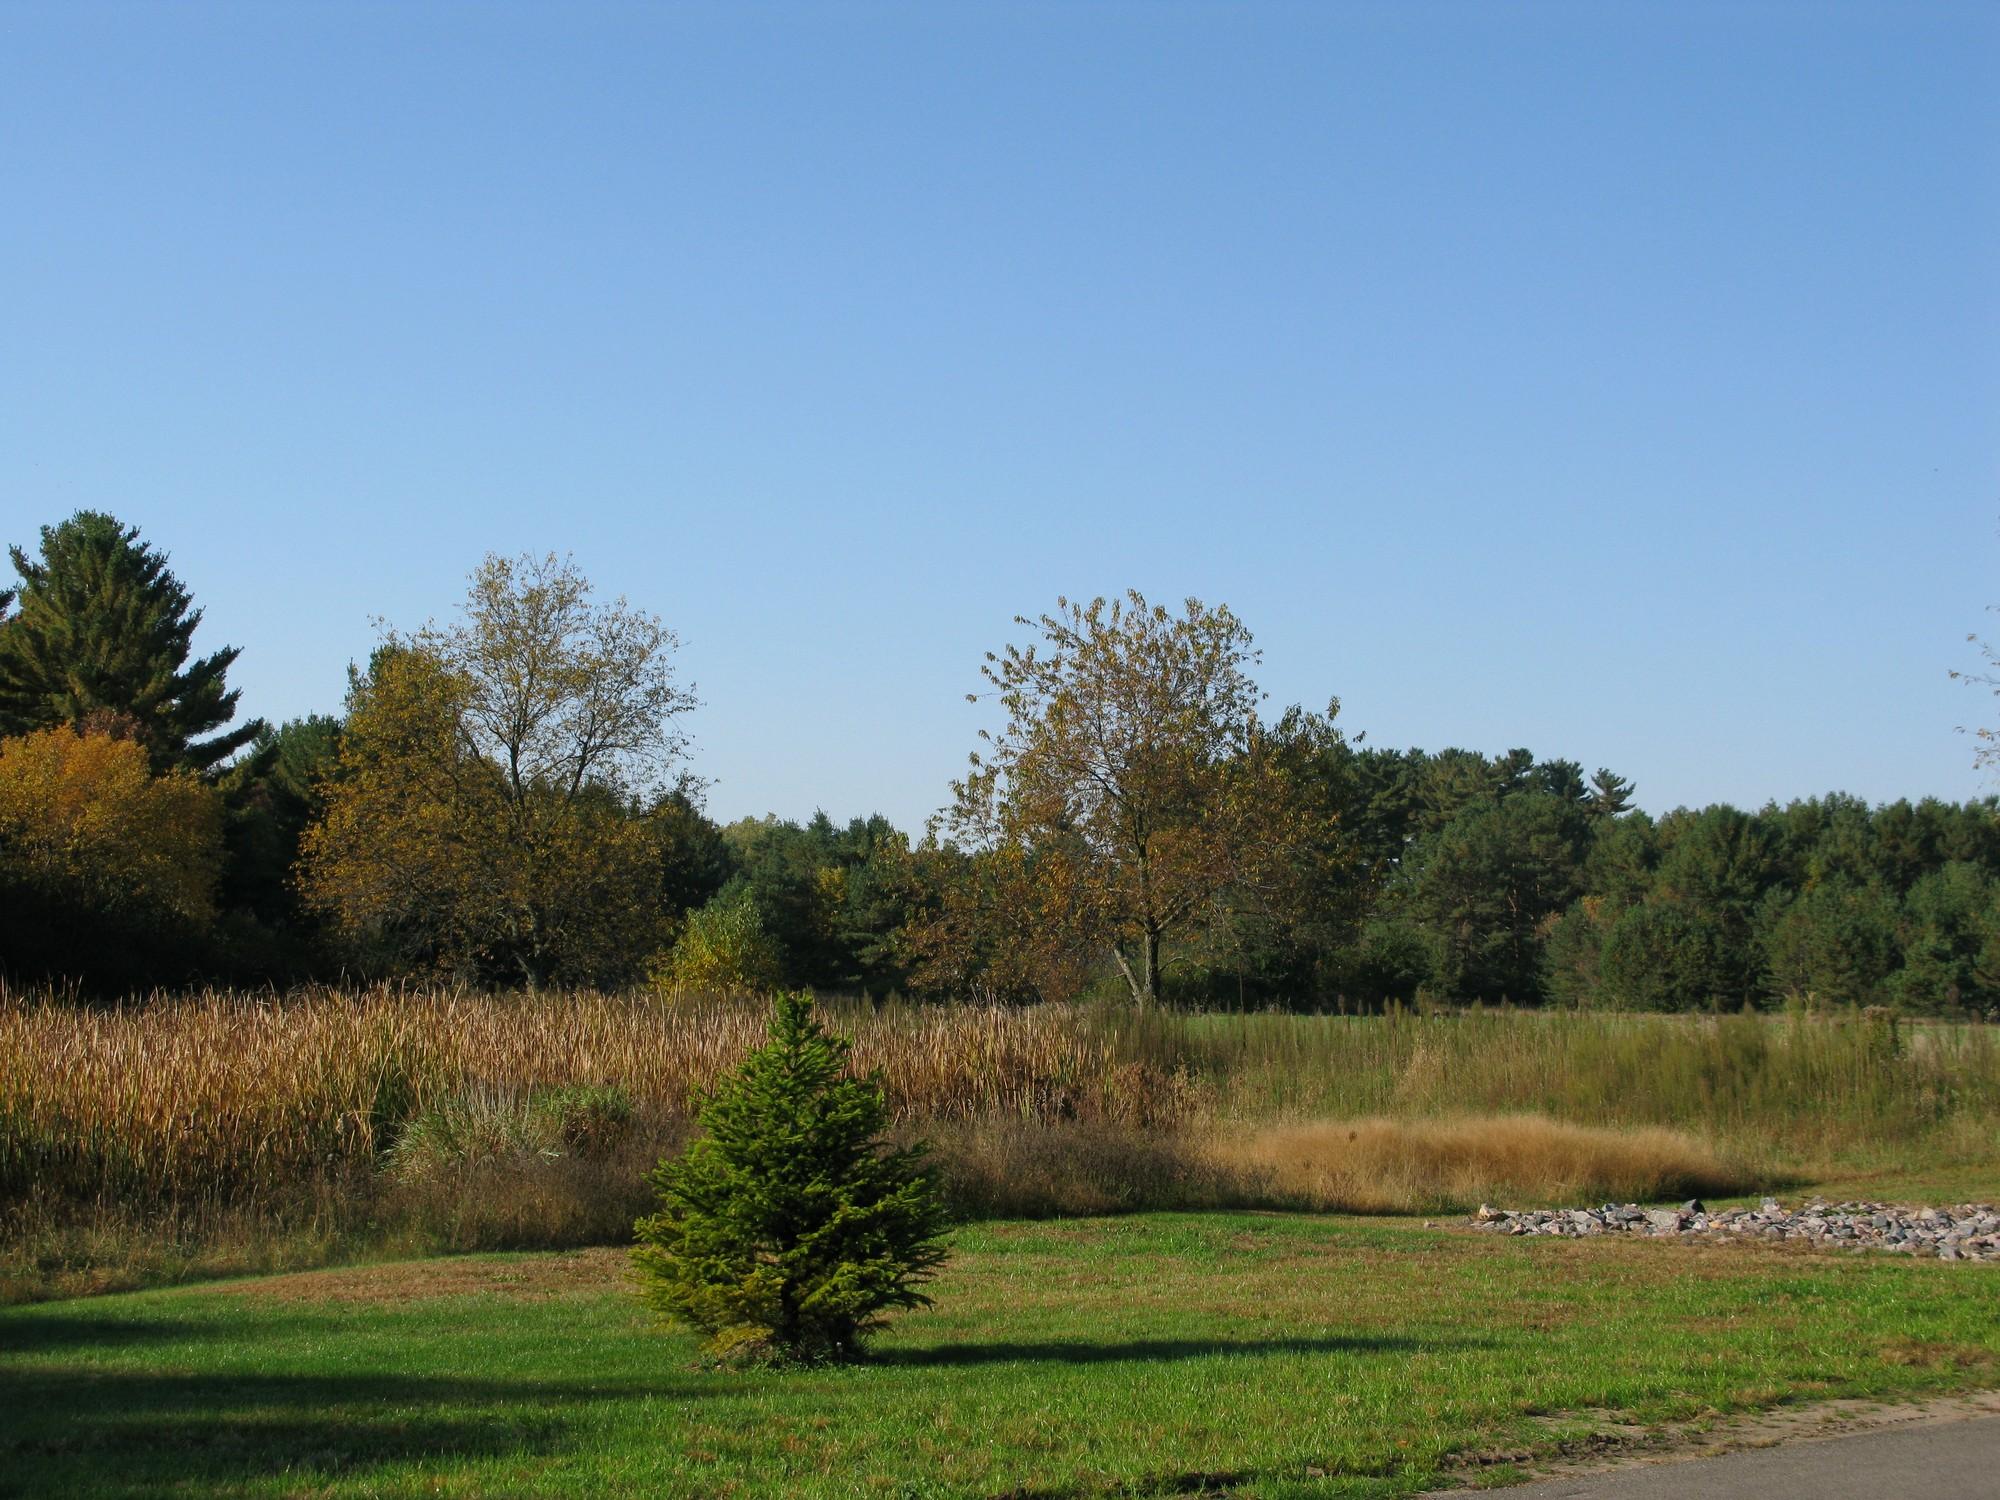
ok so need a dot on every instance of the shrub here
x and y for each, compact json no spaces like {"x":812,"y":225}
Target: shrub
{"x":722,"y":949}
{"x":789,"y":1228}
{"x":587,"y":1119}
{"x":496,"y":1124}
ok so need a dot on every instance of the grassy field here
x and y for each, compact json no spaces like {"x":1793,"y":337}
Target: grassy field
{"x":1248,"y":1354}
{"x":218,"y":1133}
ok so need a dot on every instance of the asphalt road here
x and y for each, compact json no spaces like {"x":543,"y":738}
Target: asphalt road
{"x":1946,"y":1461}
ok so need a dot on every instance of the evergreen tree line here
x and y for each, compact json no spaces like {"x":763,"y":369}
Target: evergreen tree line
{"x":464,"y":818}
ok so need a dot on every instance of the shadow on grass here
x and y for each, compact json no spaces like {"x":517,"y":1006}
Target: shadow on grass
{"x":76,"y":1427}
{"x":1095,"y":1352}
{"x":44,"y":1333}
{"x":83,"y":1432}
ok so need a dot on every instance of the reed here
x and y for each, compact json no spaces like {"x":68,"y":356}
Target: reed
{"x":1814,"y":1089}
{"x":237,"y":1096}
{"x":315,"y":1108}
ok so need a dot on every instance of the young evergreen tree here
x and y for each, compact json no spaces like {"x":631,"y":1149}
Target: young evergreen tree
{"x":789,"y":1228}
{"x":101,"y":638}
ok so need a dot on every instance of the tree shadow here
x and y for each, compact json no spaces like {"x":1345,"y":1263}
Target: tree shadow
{"x":1094,"y":1352}
{"x":70,"y":1431}
{"x":44,"y":1333}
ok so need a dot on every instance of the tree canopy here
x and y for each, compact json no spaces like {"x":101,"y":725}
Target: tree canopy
{"x":105,"y":869}
{"x":487,"y":813}
{"x":102,"y":637}
{"x":505,"y":800}
{"x":1129,"y":770}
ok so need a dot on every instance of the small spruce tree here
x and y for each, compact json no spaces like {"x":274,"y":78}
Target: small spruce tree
{"x":789,"y":1228}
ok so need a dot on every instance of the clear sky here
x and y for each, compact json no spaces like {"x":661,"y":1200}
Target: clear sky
{"x":1620,"y":382}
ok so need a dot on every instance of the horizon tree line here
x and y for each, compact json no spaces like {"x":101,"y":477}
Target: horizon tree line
{"x":503,"y":801}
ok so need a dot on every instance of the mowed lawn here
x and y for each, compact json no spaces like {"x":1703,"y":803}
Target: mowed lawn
{"x":1252,"y":1354}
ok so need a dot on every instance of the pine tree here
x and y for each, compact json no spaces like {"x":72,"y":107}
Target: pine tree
{"x":101,"y":639}
{"x":788,"y":1229}
{"x":1610,"y":793}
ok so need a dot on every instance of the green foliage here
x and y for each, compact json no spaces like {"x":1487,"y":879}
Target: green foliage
{"x":721,"y":948}
{"x":1835,"y":942}
{"x":270,"y":796}
{"x":1573,"y":954}
{"x":496,"y":808}
{"x":695,"y":860}
{"x":1610,"y":794}
{"x":1951,"y":938}
{"x":788,"y":1229}
{"x":101,"y":640}
{"x":1480,"y":877}
{"x":501,"y":1126}
{"x":1393,"y":959}
{"x":1666,"y":956}
{"x":1487,"y":882}
{"x":830,"y":898}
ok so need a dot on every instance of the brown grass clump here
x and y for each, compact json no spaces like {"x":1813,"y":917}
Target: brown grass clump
{"x":1928,"y":1354}
{"x":1028,"y":1169}
{"x":1391,"y":1166}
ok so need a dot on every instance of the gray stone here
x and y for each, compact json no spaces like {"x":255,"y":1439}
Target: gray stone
{"x":1944,"y":1233}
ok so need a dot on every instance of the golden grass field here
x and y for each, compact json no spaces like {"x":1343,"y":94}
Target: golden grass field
{"x":224,"y":1128}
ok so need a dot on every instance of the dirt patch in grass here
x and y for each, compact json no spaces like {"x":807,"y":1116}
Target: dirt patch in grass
{"x":527,"y":1278}
{"x":1928,"y":1355}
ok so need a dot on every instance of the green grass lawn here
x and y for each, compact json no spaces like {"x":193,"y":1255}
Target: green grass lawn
{"x":1251,"y":1354}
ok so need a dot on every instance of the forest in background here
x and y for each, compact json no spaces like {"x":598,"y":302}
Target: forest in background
{"x":502,"y":801}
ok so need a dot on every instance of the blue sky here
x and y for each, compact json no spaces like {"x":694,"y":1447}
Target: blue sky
{"x":1620,"y":382}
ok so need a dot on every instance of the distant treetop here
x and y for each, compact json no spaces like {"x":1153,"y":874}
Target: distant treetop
{"x":101,"y":639}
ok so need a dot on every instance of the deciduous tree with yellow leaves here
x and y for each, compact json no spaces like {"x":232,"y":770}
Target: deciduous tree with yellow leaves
{"x":490,"y":811}
{"x":107,"y":872}
{"x":1131,"y":789}
{"x":84,"y":812}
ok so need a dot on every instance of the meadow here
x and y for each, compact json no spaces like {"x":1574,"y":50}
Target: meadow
{"x":224,"y":1132}
{"x":1249,"y":1354}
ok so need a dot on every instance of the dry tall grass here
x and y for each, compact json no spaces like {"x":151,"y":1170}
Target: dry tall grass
{"x":1801,"y":1087}
{"x":217,"y":1108}
{"x":1399,"y":1166}
{"x":225,"y":1095}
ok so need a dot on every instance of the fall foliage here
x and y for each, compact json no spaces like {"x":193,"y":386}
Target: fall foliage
{"x":486,"y":815}
{"x":1130,"y":788}
{"x":83,"y":813}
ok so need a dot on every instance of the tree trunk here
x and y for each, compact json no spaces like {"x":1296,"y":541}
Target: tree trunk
{"x":1139,"y":997}
{"x":1144,"y":985}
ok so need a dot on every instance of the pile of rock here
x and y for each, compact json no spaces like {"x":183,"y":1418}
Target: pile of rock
{"x":1966,"y":1231}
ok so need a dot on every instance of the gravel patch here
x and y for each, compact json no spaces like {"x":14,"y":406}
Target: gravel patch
{"x":1961,"y":1232}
